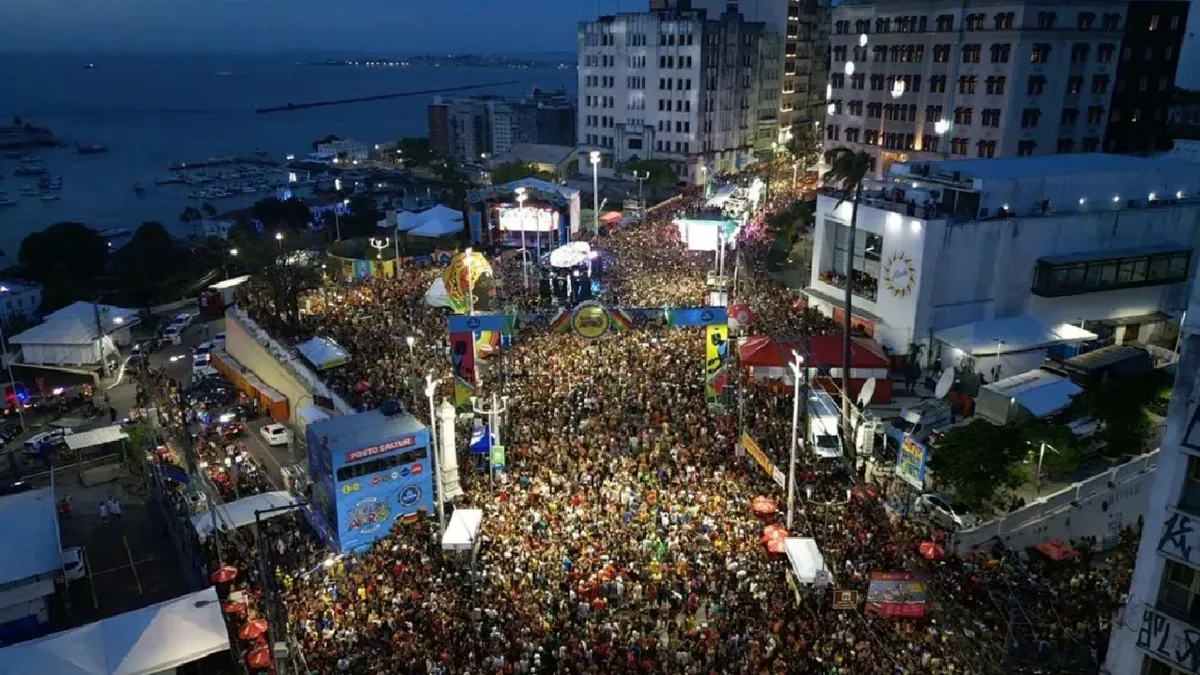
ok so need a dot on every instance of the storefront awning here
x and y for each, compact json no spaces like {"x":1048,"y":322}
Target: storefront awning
{"x":1009,"y":335}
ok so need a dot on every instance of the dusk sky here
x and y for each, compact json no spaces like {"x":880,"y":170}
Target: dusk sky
{"x":391,"y":26}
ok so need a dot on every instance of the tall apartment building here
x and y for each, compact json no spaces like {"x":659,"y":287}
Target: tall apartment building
{"x":701,"y":92}
{"x":468,"y":128}
{"x":803,"y":25}
{"x":1157,"y":632}
{"x":916,"y":80}
{"x":1139,"y":120}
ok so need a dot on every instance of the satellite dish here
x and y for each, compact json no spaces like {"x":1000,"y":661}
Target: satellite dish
{"x":944,"y":384}
{"x":867,"y":391}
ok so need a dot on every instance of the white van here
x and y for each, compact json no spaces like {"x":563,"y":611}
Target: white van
{"x":823,"y":437}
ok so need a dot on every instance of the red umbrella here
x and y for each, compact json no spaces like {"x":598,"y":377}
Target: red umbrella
{"x":259,"y":658}
{"x":773,"y":532}
{"x":232,"y":607}
{"x":223,"y":574}
{"x":252,"y":629}
{"x":763,"y":506}
{"x":932,"y":550}
{"x":777,"y":546}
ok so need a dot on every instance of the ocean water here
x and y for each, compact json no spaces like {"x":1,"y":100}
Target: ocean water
{"x":156,"y":110}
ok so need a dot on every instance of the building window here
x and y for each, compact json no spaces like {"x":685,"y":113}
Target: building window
{"x":1095,"y":114}
{"x":1026,"y":148}
{"x":1175,"y":22}
{"x":966,"y":84}
{"x":1001,"y":53}
{"x":1069,"y":116}
{"x":1100,"y":84}
{"x":1056,"y":279}
{"x":1030,"y":117}
{"x":1079,"y":52}
{"x":1040,"y":53}
{"x":1111,"y":21}
{"x":945,"y":23}
{"x":1090,"y":144}
{"x":930,"y":143}
{"x":1179,"y":594}
{"x":1074,"y":84}
{"x":865,"y":265}
{"x":991,"y":117}
{"x":1046,"y":19}
{"x":987,"y":149}
{"x":1104,"y":53}
{"x":941,"y":53}
{"x":1036,"y":85}
{"x":995,"y":85}
{"x":1065,"y":145}
{"x":1086,"y":20}
{"x":975,"y":21}
{"x":958,"y":146}
{"x":937,"y":84}
{"x":1153,"y":22}
{"x":963,"y":116}
{"x":933,"y":112}
{"x":971,"y":53}
{"x":1004,"y":20}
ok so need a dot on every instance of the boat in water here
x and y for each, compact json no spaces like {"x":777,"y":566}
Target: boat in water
{"x":5,"y":200}
{"x":30,"y":168}
{"x":50,"y":183}
{"x":90,"y":148}
{"x":50,"y":197}
{"x":30,"y":191}
{"x":89,"y":66}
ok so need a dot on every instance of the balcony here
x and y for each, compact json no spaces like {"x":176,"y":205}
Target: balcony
{"x":864,"y":286}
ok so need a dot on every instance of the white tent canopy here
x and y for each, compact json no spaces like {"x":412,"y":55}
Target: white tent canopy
{"x":806,"y":560}
{"x":324,"y":353}
{"x":101,"y":436}
{"x":462,"y":532}
{"x":241,"y":513}
{"x":437,"y":228}
{"x":1011,"y":334}
{"x":570,"y":255}
{"x":407,"y":221}
{"x":146,"y":641}
{"x":437,"y":296}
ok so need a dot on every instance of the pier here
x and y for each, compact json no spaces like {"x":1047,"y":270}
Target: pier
{"x":378,"y":97}
{"x":223,"y":161}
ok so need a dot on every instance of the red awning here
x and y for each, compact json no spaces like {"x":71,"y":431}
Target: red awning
{"x":826,"y":350}
{"x":763,"y":352}
{"x":1057,"y":549}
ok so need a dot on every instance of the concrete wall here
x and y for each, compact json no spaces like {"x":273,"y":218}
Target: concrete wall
{"x":1099,"y":507}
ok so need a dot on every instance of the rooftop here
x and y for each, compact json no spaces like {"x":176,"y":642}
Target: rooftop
{"x":30,"y":518}
{"x":353,"y":432}
{"x":536,"y":153}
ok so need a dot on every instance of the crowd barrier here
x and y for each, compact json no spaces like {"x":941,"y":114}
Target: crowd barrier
{"x":1100,"y":507}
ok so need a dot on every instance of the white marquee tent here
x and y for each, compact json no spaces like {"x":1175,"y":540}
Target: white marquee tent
{"x":806,"y":561}
{"x":241,"y":513}
{"x":63,"y":342}
{"x":462,"y":532}
{"x":411,"y":220}
{"x":146,"y":641}
{"x":437,"y":228}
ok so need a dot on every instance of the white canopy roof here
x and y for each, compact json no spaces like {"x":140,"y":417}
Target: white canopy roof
{"x":95,"y":437}
{"x":807,"y":562}
{"x":570,"y":255}
{"x":146,"y":641}
{"x":241,"y":513}
{"x":1040,"y":392}
{"x":463,"y":530}
{"x":411,"y":220}
{"x":1011,"y":334}
{"x":58,"y":332}
{"x":111,"y":317}
{"x":324,"y":353}
{"x":30,"y":518}
{"x":437,"y":296}
{"x":437,"y":228}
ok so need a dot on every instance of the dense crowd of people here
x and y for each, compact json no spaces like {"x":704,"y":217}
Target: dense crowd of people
{"x":621,"y":537}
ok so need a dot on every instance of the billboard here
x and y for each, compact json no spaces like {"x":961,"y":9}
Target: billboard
{"x":529,"y":219}
{"x":899,"y":594}
{"x":910,"y":462}
{"x":716,"y":348}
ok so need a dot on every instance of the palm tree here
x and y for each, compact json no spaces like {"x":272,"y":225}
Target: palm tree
{"x":848,"y":170}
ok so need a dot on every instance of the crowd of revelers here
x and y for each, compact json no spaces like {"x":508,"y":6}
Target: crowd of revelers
{"x":621,"y":539}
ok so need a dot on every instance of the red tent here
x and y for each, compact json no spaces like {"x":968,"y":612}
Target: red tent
{"x":865,"y":353}
{"x":763,"y":352}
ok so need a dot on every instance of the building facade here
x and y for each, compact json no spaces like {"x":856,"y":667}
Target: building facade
{"x":677,"y":85}
{"x":1095,"y":239}
{"x":914,"y":80}
{"x":470,"y":129}
{"x":1157,"y":632}
{"x":19,"y":300}
{"x":1139,"y":120}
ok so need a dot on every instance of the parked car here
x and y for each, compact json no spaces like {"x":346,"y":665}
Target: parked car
{"x":231,"y":429}
{"x":47,"y":440}
{"x":942,"y":511}
{"x":173,"y":334}
{"x":202,"y":366}
{"x":183,"y":320}
{"x":136,"y":354}
{"x":276,"y":434}
{"x":237,"y":413}
{"x":74,"y":564}
{"x":202,"y":350}
{"x":10,"y":431}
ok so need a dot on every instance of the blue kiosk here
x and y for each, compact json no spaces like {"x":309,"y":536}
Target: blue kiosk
{"x":367,"y":470}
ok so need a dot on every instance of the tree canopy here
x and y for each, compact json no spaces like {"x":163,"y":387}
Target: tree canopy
{"x":276,"y":214}
{"x":361,"y":220}
{"x":1119,"y":404}
{"x":792,"y":221}
{"x":66,"y":258}
{"x":510,"y":171}
{"x":978,"y":458}
{"x":415,"y":151}
{"x":145,"y":264}
{"x":662,"y":173}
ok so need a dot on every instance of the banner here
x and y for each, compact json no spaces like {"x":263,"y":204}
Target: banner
{"x":845,"y":599}
{"x":899,"y":594}
{"x":462,"y":358}
{"x":716,"y":348}
{"x":498,"y":457}
{"x":756,"y":452}
{"x":910,"y":462}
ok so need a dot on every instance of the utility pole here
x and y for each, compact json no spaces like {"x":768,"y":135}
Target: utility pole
{"x":99,"y":334}
{"x":641,"y":200}
{"x":796,"y":366}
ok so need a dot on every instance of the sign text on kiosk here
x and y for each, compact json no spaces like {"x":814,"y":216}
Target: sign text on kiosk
{"x":373,"y":450}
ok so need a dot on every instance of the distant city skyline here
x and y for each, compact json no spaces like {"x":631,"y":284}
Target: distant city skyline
{"x":353,"y":26}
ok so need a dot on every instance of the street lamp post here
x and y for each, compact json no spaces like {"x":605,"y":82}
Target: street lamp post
{"x":232,"y":255}
{"x":521,"y":197}
{"x":498,"y":408}
{"x":279,"y":239}
{"x":637,"y":175}
{"x":431,"y":386}
{"x":8,"y":366}
{"x":379,"y":244}
{"x":826,"y":506}
{"x":797,"y":366}
{"x":594,"y":157}
{"x":1042,"y":455}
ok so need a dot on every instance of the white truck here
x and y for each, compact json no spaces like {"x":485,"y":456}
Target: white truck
{"x":822,"y":435}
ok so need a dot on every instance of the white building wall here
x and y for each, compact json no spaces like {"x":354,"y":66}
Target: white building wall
{"x":1168,"y":533}
{"x":978,"y":270}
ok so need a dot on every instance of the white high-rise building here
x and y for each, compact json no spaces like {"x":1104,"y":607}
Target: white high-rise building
{"x":1157,"y":632}
{"x":680,"y":85}
{"x":913,"y":80}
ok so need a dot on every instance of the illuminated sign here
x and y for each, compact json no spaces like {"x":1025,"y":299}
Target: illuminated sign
{"x":380,"y":449}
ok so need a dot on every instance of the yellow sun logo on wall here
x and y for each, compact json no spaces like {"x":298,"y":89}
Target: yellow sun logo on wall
{"x":899,"y":274}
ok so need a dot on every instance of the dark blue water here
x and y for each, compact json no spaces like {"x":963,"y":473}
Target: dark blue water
{"x":154,"y":111}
